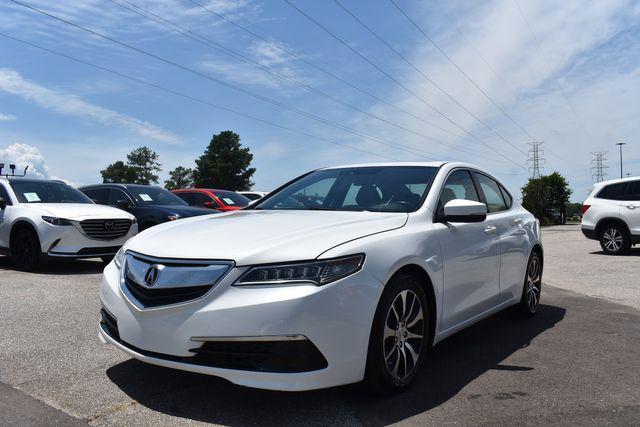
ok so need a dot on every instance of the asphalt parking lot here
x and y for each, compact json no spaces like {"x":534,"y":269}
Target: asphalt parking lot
{"x":575,"y":363}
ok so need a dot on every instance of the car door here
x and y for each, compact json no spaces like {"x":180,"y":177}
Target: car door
{"x":513,"y":238}
{"x":470,"y":257}
{"x":630,"y":207}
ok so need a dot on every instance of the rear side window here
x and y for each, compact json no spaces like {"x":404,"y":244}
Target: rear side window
{"x":4,"y":194}
{"x":190,"y":198}
{"x":98,"y":195}
{"x":492,"y":193}
{"x":613,"y":192}
{"x":634,"y":191}
{"x":507,"y":197}
{"x":201,"y":199}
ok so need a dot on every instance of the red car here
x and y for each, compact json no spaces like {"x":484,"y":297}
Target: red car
{"x":221,"y":200}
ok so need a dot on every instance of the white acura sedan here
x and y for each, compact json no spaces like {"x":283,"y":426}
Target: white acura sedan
{"x":344,"y":274}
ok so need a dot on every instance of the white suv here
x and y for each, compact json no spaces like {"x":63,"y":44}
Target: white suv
{"x":343,"y":274}
{"x":611,"y":214}
{"x":40,"y":218}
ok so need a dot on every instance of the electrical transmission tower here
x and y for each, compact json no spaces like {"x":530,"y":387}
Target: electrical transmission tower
{"x":536,"y":159}
{"x":598,"y":168}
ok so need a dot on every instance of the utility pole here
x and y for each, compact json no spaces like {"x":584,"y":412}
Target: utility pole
{"x":598,"y":168}
{"x":620,"y":144}
{"x":536,"y":159}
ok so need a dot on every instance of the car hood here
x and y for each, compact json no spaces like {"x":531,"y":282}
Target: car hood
{"x":261,"y":236}
{"x":78,"y":211}
{"x":183,"y":211}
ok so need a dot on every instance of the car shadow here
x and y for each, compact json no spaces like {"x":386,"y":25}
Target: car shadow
{"x":630,"y":252}
{"x":60,"y":267}
{"x":450,"y":366}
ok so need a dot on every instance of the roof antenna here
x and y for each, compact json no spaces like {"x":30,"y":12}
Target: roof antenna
{"x":1,"y":167}
{"x":25,"y":170}
{"x":13,"y":169}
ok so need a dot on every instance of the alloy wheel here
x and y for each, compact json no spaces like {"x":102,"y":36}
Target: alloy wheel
{"x":612,"y":239}
{"x":534,"y":279}
{"x":403,"y":335}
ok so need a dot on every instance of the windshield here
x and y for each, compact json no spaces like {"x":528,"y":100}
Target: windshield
{"x":47,"y":192}
{"x":231,"y":198}
{"x":155,"y":196}
{"x":373,"y":188}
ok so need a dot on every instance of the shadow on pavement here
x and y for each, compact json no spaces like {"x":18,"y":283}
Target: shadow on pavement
{"x":451,"y":365}
{"x":631,"y":252}
{"x":60,"y":267}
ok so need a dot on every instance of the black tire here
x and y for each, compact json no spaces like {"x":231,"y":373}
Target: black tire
{"x":391,"y":366}
{"x":25,"y":250}
{"x":532,"y":288}
{"x":614,"y":239}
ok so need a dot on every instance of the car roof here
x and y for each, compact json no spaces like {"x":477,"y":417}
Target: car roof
{"x":115,"y":184}
{"x":201,"y":190}
{"x":23,"y":179}
{"x":435,"y":164}
{"x":615,"y":181}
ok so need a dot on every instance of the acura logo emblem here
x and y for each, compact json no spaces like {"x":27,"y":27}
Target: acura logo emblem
{"x":108,"y":225}
{"x":151,"y":277}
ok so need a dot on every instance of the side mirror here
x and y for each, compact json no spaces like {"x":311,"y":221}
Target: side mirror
{"x":210,"y":205}
{"x":123,"y":204}
{"x":460,"y":210}
{"x":3,"y":203}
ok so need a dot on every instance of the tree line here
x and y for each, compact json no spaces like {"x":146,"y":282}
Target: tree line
{"x":224,"y":164}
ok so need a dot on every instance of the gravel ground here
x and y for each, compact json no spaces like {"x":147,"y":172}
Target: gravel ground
{"x":574,"y":363}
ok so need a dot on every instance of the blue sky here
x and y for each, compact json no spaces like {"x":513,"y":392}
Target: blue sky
{"x":566,"y":73}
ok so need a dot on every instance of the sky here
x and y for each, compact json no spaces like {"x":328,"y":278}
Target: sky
{"x":308,"y":84}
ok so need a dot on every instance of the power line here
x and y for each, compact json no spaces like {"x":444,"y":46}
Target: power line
{"x":536,"y":159}
{"x":318,"y":68}
{"x":598,"y":168}
{"x":426,"y":76}
{"x":221,"y":82}
{"x":393,"y":79}
{"x":495,"y":104}
{"x":238,"y":56}
{"x":192,"y":98}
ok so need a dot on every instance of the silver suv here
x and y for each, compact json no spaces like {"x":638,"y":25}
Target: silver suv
{"x":611,"y":214}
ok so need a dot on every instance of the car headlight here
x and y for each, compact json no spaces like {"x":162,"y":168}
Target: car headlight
{"x":119,"y":258}
{"x":173,"y":217}
{"x":56,"y":221}
{"x":317,"y":272}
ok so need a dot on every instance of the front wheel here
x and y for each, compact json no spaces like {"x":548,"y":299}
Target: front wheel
{"x":532,"y":289}
{"x":25,"y":250}
{"x":614,"y":240}
{"x":399,"y":336}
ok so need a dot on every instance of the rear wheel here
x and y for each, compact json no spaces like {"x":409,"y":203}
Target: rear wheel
{"x":399,"y":336}
{"x":614,"y":239}
{"x":25,"y":250}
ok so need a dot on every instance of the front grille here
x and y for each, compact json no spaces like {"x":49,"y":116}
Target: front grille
{"x":163,"y":296}
{"x":105,"y":229}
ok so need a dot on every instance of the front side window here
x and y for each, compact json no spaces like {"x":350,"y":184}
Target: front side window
{"x":372,"y":188}
{"x":458,"y":185}
{"x":47,"y":192}
{"x":116,"y":195}
{"x":155,"y":196}
{"x":200,"y":199}
{"x":492,"y":193}
{"x":231,"y":198}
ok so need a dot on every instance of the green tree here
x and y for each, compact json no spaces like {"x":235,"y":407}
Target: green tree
{"x":145,"y":161}
{"x":180,"y":177}
{"x":546,"y":195}
{"x":225,"y":164}
{"x":119,"y":173}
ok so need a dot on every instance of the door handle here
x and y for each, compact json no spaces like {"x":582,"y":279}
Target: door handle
{"x":490,"y":229}
{"x":631,"y":207}
{"x":517,"y":220}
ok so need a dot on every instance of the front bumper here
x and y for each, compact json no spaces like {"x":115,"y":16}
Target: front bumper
{"x":335,"y":319}
{"x":70,"y":242}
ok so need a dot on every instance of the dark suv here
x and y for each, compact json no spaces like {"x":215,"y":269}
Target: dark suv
{"x":150,"y":205}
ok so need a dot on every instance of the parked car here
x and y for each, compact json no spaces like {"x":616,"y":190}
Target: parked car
{"x":611,"y":215}
{"x":221,"y":200}
{"x":149,"y":204}
{"x":287,"y":295}
{"x":42,"y":219}
{"x":253,"y":195}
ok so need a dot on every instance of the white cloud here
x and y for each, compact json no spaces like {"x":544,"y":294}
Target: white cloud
{"x":7,"y":117}
{"x":23,"y":155}
{"x":12,"y":82}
